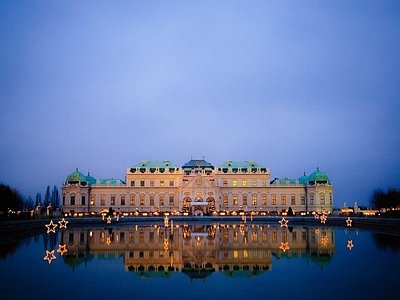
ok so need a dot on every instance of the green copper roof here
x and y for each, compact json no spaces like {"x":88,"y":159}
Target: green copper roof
{"x":110,"y":181}
{"x":90,"y":179}
{"x":155,"y":164}
{"x":240,"y":164}
{"x":318,"y":176}
{"x":76,"y":176}
{"x":303,"y":179}
{"x":284,"y":181}
{"x":197,"y":163}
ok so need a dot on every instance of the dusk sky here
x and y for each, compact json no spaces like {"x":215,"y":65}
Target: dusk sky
{"x":290,"y":84}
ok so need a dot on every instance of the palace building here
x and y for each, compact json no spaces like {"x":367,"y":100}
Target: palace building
{"x":196,"y":188}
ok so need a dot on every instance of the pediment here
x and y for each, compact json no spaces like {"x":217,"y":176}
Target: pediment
{"x":198,"y":181}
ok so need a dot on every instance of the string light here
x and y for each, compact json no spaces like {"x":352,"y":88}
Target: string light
{"x":62,"y":249}
{"x":284,"y":222}
{"x":316,"y":216}
{"x":348,"y":222}
{"x":51,"y":227}
{"x":63,"y":223}
{"x":49,"y":256}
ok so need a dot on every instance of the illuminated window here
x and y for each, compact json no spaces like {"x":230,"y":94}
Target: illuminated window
{"x":303,"y":199}
{"x":92,"y":199}
{"x":72,"y":200}
{"x":254,"y":182}
{"x":132,"y":200}
{"x":274,"y":236}
{"x":122,"y":200}
{"x":152,"y":183}
{"x":102,"y":200}
{"x":264,"y":199}
{"x":254,"y":198}
{"x":245,"y":254}
{"x":292,"y":200}
{"x":141,"y":200}
{"x":244,"y":200}
{"x":225,"y":182}
{"x":171,"y":200}
{"x":322,"y":198}
{"x":234,"y":183}
{"x":142,"y":183}
{"x":132,"y":183}
{"x":264,"y":236}
{"x":152,"y":200}
{"x":171,"y":183}
{"x":225,"y":197}
{"x":235,"y":200}
{"x":254,"y":236}
{"x":131,"y":237}
{"x":161,"y":200}
{"x":244,"y":183}
{"x":284,"y":236}
{"x":225,"y":236}
{"x":235,"y":236}
{"x":235,"y":254}
{"x":273,"y":199}
{"x":283,"y":199}
{"x":162,"y":183}
{"x":112,"y":200}
{"x":83,"y":200}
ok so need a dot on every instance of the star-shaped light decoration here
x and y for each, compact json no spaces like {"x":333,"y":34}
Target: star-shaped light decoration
{"x":51,"y":227}
{"x":350,"y":244}
{"x":49,"y":256}
{"x":284,"y":246}
{"x":62,"y":249}
{"x":63,"y":223}
{"x":316,"y":216}
{"x":108,"y":241}
{"x":323,"y":218}
{"x":324,"y":240}
{"x":349,"y":221}
{"x":284,"y":222}
{"x":317,"y":231}
{"x":108,"y":220}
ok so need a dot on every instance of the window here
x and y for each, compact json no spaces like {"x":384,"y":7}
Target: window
{"x":254,"y":237}
{"x":244,"y":183}
{"x":92,"y":199}
{"x":274,"y":236}
{"x":142,"y":183}
{"x":225,"y":182}
{"x":162,"y":183}
{"x":264,"y":199}
{"x":330,"y":198}
{"x":302,"y":199}
{"x":63,"y":200}
{"x":322,"y":198}
{"x":254,"y":182}
{"x":273,"y":199}
{"x":83,"y":199}
{"x":112,"y":200}
{"x":152,"y":183}
{"x":72,"y":200}
{"x":311,"y":199}
{"x":171,"y":183}
{"x":235,"y":200}
{"x":122,"y":200}
{"x":283,"y":199}
{"x":284,"y":236}
{"x":141,"y":199}
{"x":292,"y":200}
{"x":161,"y":200}
{"x":234,"y":183}
{"x":225,"y":197}
{"x":263,"y":182}
{"x":171,"y":200}
{"x":102,"y":199}
{"x":254,"y":198}
{"x":244,"y":198}
{"x":132,"y":183}
{"x":132,"y":200}
{"x":264,"y":236}
{"x":152,"y":200}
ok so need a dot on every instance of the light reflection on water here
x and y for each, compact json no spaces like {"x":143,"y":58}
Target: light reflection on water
{"x":219,"y":261}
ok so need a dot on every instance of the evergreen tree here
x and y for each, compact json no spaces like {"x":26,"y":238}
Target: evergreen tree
{"x":55,"y":198}
{"x":47,"y":197}
{"x":38,"y":201}
{"x":29,"y":204}
{"x":10,"y":199}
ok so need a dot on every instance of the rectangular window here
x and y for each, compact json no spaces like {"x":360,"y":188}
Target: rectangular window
{"x":225,"y":182}
{"x":254,"y":199}
{"x":162,"y":183}
{"x":92,"y":199}
{"x":322,"y":198}
{"x":244,"y":183}
{"x":273,"y":199}
{"x":225,"y":197}
{"x":141,"y":199}
{"x":171,"y":200}
{"x":122,"y":200}
{"x":132,"y":183}
{"x":102,"y":199}
{"x":142,"y":183}
{"x":263,"y":182}
{"x":72,"y":200}
{"x":171,"y":183}
{"x":152,"y":183}
{"x":264,"y":236}
{"x":283,"y":199}
{"x":152,"y":200}
{"x":284,"y":236}
{"x":312,"y":199}
{"x":82,"y":237}
{"x":254,"y":183}
{"x":244,"y":198}
{"x":83,"y":199}
{"x":303,"y":199}
{"x":132,"y":200}
{"x":274,"y":236}
{"x":63,"y":200}
{"x":264,"y":199}
{"x":112,"y":200}
{"x":292,"y":200}
{"x":235,"y":200}
{"x":294,"y":236}
{"x":161,"y":200}
{"x":234,"y":183}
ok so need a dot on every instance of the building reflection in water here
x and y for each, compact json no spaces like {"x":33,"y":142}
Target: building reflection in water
{"x":198,"y":251}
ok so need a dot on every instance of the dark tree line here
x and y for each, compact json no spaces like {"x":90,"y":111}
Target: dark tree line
{"x":385,"y":200}
{"x":10,"y":199}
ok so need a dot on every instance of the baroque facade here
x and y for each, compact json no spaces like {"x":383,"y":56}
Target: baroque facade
{"x":196,"y":188}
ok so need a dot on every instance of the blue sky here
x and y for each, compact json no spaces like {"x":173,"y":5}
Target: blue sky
{"x":102,"y":85}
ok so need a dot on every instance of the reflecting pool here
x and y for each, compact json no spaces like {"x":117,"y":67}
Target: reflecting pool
{"x":212,"y":261}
